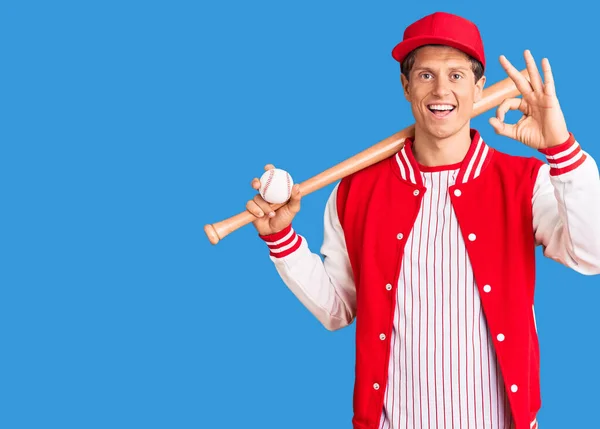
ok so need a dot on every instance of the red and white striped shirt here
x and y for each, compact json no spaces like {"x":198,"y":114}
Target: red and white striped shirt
{"x":443,"y":371}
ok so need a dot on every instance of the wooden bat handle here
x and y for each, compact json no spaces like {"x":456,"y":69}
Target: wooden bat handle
{"x":491,"y":97}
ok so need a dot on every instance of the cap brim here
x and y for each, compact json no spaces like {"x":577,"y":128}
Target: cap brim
{"x":402,"y":49}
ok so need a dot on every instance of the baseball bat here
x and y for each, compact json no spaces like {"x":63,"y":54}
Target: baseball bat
{"x":491,"y":97}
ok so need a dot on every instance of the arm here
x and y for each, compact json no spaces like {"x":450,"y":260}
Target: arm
{"x":566,"y":208}
{"x":325,"y":286}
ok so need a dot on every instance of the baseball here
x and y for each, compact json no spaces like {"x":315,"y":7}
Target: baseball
{"x":276,"y":186}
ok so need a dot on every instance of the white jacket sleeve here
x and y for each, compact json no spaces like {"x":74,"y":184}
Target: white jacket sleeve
{"x":566,"y":208}
{"x":325,"y":286}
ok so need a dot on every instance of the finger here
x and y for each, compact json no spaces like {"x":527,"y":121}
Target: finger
{"x":534,"y":74}
{"x":548,"y":77}
{"x":503,"y":129}
{"x":506,"y":105}
{"x":269,"y":167}
{"x":264,"y":206}
{"x":294,"y":202}
{"x":255,"y":183}
{"x":253,"y":208}
{"x":522,"y":84}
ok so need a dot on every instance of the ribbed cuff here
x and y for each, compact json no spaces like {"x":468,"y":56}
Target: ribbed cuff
{"x":282,"y":243}
{"x":565,"y":157}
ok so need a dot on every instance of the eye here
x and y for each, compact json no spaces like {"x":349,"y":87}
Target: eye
{"x":426,"y":76}
{"x":456,"y":76}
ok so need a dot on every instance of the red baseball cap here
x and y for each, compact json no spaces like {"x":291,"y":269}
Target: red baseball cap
{"x":441,"y":28}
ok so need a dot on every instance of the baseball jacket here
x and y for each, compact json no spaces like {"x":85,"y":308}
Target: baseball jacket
{"x":505,"y":205}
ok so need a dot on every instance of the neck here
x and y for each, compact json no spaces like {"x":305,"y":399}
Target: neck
{"x":432,"y":151}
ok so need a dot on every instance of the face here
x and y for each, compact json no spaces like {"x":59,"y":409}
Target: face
{"x":442,"y":90}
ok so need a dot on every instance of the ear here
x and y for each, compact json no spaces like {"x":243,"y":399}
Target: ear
{"x":479,"y":89}
{"x":404,"y":81}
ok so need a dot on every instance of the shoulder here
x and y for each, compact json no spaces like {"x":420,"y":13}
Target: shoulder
{"x":367,"y":175}
{"x":360,"y":184}
{"x":371,"y":171}
{"x":517,"y":166}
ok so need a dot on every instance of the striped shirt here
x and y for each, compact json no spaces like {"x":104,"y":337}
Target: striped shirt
{"x":443,"y":371}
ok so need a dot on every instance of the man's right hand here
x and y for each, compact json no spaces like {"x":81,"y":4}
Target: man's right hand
{"x":267,"y":221}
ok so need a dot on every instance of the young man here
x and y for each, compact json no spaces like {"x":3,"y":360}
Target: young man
{"x":433,"y":250}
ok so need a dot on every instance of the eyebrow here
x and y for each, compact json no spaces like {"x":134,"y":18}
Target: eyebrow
{"x":425,"y":68}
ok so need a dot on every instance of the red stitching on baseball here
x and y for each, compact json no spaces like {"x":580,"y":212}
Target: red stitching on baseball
{"x":272,"y":173}
{"x":288,"y":181}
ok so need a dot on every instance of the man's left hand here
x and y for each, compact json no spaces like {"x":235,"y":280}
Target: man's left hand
{"x":543,"y":123}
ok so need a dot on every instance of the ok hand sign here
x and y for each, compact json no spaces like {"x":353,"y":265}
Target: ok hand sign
{"x":543,"y":123}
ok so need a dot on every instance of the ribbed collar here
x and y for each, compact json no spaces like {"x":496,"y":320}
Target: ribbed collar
{"x":475,"y":161}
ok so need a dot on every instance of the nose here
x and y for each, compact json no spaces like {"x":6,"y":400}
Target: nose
{"x":441,"y":87}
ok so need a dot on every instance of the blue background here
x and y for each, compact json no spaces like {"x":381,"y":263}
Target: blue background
{"x":127,"y":126}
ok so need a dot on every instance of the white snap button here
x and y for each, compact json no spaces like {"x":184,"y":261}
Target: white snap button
{"x":457,"y":192}
{"x":514,"y":388}
{"x":500,"y":337}
{"x":400,"y":236}
{"x":376,"y":386}
{"x":382,"y":337}
{"x":388,"y":286}
{"x":416,"y":192}
{"x":487,"y":288}
{"x":472,"y":237}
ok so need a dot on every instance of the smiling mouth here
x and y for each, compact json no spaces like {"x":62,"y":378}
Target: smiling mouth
{"x":441,"y":110}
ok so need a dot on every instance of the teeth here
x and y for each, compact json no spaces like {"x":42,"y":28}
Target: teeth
{"x":441,"y":107}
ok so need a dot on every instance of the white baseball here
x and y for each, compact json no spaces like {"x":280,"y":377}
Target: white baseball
{"x":276,"y":186}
